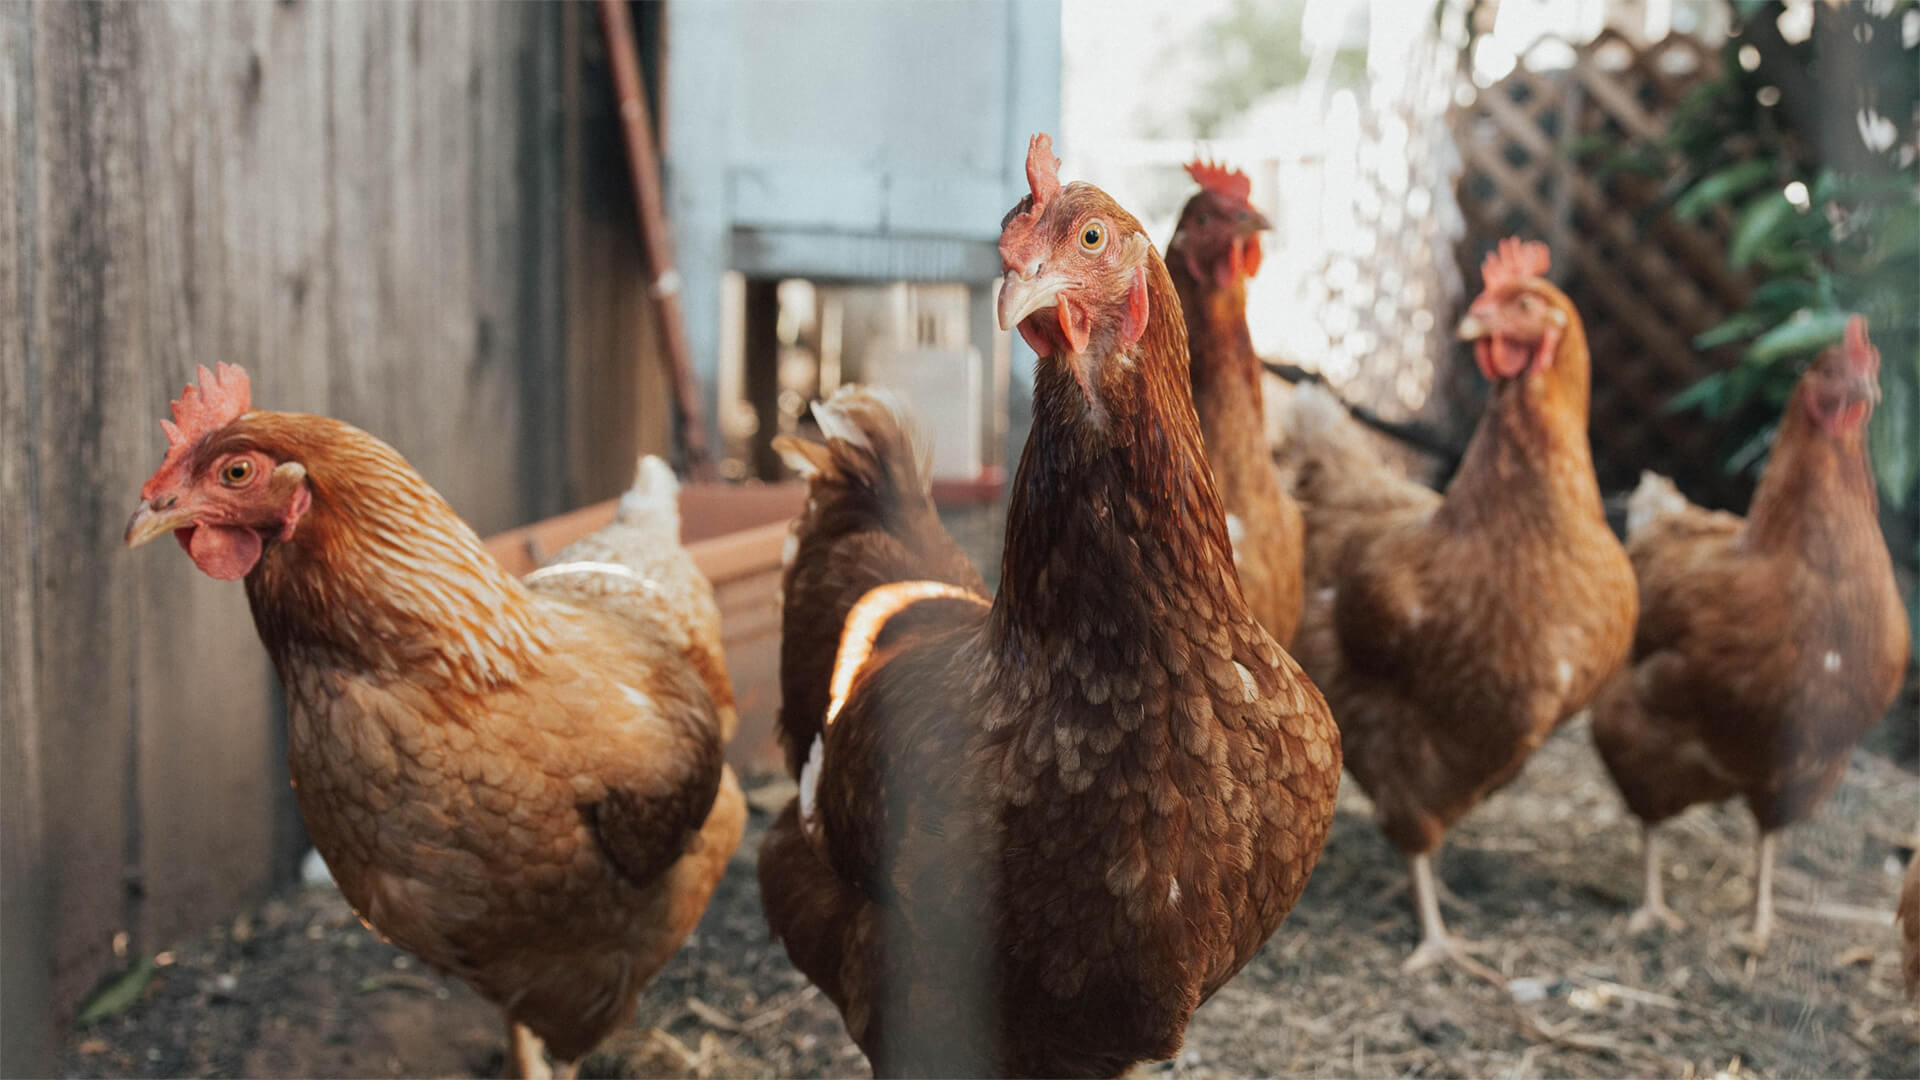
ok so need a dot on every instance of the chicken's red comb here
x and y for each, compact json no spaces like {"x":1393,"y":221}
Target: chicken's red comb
{"x":1513,"y":261}
{"x":1043,"y":169}
{"x":1220,"y":180}
{"x":1861,"y":356}
{"x":1043,"y":178}
{"x":223,"y":396}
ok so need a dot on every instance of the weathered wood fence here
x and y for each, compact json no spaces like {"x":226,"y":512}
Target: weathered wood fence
{"x":412,"y":216}
{"x":1539,"y":150}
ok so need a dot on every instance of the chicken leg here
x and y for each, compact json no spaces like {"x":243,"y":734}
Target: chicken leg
{"x":1761,"y":928}
{"x":1436,"y":945}
{"x":526,"y":1054}
{"x":527,"y":1057}
{"x":1653,"y":909}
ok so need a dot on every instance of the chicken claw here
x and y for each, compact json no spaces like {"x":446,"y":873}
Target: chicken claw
{"x":1436,"y":945}
{"x":1653,"y":910}
{"x":1458,"y":952}
{"x":1652,"y":914}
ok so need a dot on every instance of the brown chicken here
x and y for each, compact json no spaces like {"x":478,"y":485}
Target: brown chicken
{"x":520,"y":783}
{"x":1453,"y":633}
{"x":1035,"y":833}
{"x":1766,"y":647}
{"x":1214,"y":250}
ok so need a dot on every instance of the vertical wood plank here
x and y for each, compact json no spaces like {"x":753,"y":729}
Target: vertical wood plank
{"x":762,"y":376}
{"x":87,"y":424}
{"x":367,"y":206}
{"x":205,"y":752}
{"x":614,"y":329}
{"x":25,"y":1020}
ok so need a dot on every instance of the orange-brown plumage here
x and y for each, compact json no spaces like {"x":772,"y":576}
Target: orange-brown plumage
{"x":521,"y":783}
{"x":1214,"y":250}
{"x":1452,"y":633}
{"x":1768,"y":646}
{"x":1040,"y":830}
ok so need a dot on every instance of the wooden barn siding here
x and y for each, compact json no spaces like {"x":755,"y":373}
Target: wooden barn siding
{"x":400,"y":215}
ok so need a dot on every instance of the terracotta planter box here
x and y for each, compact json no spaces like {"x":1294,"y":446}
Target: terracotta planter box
{"x":735,"y":534}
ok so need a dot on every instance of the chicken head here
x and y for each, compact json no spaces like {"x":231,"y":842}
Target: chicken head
{"x":219,"y":494}
{"x":1076,"y":268}
{"x":1519,"y":318}
{"x":1219,"y":230}
{"x":1842,"y":385}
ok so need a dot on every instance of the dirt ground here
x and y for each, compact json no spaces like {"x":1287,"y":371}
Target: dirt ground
{"x":1548,"y":870}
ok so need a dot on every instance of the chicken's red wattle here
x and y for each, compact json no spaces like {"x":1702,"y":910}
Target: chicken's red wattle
{"x":222,"y":552}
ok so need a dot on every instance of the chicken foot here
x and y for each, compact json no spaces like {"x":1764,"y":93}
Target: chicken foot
{"x":527,"y":1057}
{"x":1653,"y":910}
{"x":1436,"y":945}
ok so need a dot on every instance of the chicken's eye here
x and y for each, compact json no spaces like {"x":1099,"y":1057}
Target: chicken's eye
{"x":237,"y":472}
{"x":1202,"y":218}
{"x":1093,"y":237}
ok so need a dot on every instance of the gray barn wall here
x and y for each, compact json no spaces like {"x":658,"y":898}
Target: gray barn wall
{"x":400,"y":215}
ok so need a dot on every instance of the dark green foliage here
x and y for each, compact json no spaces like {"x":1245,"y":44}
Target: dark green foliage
{"x":1851,"y":244}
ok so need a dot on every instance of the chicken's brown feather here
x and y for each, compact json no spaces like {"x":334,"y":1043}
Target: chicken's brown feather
{"x":1453,"y":633}
{"x":521,"y":784}
{"x":1047,"y":831}
{"x":1766,"y":647}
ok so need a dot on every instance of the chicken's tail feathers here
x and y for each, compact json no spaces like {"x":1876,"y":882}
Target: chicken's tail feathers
{"x":1653,"y":499}
{"x":1314,"y":413}
{"x":654,"y":498}
{"x":870,"y":444}
{"x":1325,"y":449}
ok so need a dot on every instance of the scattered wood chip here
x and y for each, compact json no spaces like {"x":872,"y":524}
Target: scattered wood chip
{"x":1858,"y":956}
{"x":711,"y":1016}
{"x":1837,"y":912}
{"x":779,"y":1012}
{"x":401,"y":980}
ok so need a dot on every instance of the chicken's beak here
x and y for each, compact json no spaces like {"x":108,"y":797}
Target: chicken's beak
{"x":1864,"y":388}
{"x":1472,"y":328}
{"x":1252,"y":222}
{"x":1023,"y":294}
{"x":157,"y":517}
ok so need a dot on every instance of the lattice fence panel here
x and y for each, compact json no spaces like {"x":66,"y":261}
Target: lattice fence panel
{"x":1536,"y":149}
{"x":1388,"y":280}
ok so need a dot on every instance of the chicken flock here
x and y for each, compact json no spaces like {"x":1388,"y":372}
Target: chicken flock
{"x":1036,"y":828}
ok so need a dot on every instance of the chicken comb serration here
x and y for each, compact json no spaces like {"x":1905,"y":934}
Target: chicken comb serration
{"x":223,"y":396}
{"x":1513,"y":261}
{"x":1860,"y":354}
{"x":1220,"y":180}
{"x":1043,"y":180}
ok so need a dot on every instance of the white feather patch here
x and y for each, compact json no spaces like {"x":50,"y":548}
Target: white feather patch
{"x":1655,"y":498}
{"x":864,"y":623}
{"x":636,"y":698}
{"x":810,"y":783}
